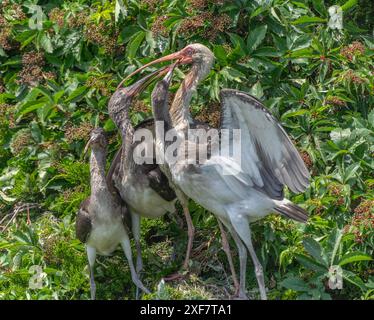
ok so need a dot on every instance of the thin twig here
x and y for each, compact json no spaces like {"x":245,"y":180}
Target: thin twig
{"x":16,"y":211}
{"x":28,"y":215}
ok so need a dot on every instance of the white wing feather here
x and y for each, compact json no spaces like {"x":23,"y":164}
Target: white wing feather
{"x":268,"y":156}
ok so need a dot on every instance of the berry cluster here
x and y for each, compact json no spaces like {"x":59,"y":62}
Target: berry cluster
{"x":353,"y":50}
{"x":307,"y":159}
{"x":335,"y":101}
{"x":57,"y":16}
{"x":352,"y":77}
{"x":363,"y":220}
{"x":158,"y":27}
{"x":81,"y":132}
{"x":99,"y":83}
{"x":94,"y":33}
{"x":32,"y":73}
{"x":21,"y":140}
{"x":210,"y":115}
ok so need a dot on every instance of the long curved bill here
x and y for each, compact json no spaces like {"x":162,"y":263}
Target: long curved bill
{"x":87,"y":146}
{"x":169,"y":74}
{"x":174,"y":56}
{"x":141,"y":84}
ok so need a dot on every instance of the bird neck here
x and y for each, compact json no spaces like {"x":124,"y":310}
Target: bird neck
{"x":162,"y":113}
{"x":179,"y":110}
{"x":118,"y":107}
{"x":97,"y":171}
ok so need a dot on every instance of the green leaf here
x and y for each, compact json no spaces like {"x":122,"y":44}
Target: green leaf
{"x":2,"y":52}
{"x":267,"y":52}
{"x":119,"y":8}
{"x":354,"y":257}
{"x":238,"y":43}
{"x":295,"y":284}
{"x":334,"y":242}
{"x":109,"y":125}
{"x":214,"y":87}
{"x":315,"y":250}
{"x":128,"y":33}
{"x":309,"y":20}
{"x":6,"y":198}
{"x":77,"y":94}
{"x":58,"y":95}
{"x":31,"y":106}
{"x":220,"y":54}
{"x":319,"y":6}
{"x":354,"y":279}
{"x":311,"y":264}
{"x":134,"y":44}
{"x":290,"y":114}
{"x":298,"y":41}
{"x":349,"y":4}
{"x":256,"y":90}
{"x":26,"y":37}
{"x":258,"y":11}
{"x":255,"y":37}
{"x":350,"y":172}
{"x":232,"y":74}
{"x":46,"y":43}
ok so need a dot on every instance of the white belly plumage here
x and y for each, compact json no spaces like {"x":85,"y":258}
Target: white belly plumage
{"x":106,"y":236}
{"x":146,"y":202}
{"x":215,"y":196}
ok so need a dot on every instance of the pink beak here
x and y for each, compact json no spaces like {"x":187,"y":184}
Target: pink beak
{"x":141,"y":84}
{"x":174,"y":56}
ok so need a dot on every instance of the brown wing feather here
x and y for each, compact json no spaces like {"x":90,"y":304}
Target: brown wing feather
{"x":83,"y":223}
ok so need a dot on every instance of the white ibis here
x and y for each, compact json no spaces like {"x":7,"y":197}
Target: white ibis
{"x":160,"y":110}
{"x":101,"y":220}
{"x":269,"y":161}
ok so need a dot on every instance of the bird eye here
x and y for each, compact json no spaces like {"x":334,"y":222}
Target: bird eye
{"x":189,"y":51}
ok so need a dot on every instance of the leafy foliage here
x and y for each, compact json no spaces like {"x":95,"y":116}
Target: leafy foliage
{"x":61,"y":60}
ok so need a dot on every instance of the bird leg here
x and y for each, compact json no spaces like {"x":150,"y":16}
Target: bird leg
{"x":226,"y":248}
{"x":126,"y":246}
{"x":258,"y":269}
{"x":243,"y":264}
{"x":190,"y":227}
{"x":241,"y":226}
{"x":91,"y":255}
{"x":135,"y":219}
{"x":190,"y":231}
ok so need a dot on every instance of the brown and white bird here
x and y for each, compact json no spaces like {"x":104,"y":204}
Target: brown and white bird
{"x":101,"y":220}
{"x":147,"y":188}
{"x":236,"y":192}
{"x":143,"y":187}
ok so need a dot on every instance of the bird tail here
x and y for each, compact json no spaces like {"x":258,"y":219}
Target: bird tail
{"x":291,"y":210}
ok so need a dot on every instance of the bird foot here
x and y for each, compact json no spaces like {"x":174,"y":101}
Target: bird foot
{"x":239,"y":296}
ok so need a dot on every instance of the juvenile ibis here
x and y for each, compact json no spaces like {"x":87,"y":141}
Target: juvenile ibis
{"x":101,"y":220}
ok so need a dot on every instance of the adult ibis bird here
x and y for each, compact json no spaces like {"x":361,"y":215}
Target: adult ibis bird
{"x":101,"y":220}
{"x":268,"y":161}
{"x":160,"y":110}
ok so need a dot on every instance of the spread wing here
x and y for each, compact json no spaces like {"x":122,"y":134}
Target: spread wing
{"x":269,"y":159}
{"x":83,"y":223}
